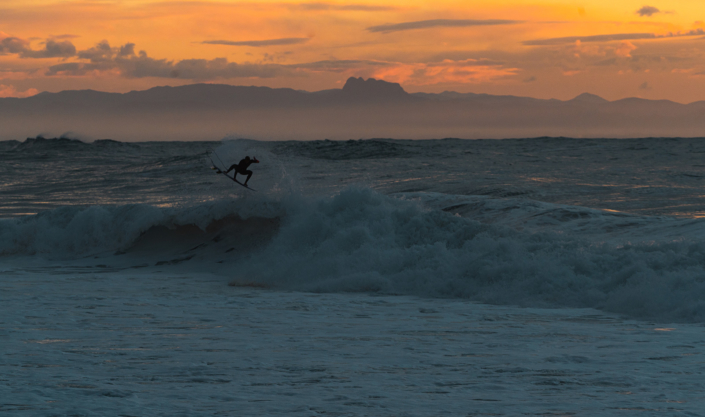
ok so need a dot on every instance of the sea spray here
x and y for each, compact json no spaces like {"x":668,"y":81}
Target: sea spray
{"x":363,"y":241}
{"x":360,"y":240}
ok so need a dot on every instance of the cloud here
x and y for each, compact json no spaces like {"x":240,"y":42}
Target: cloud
{"x":469,"y":71}
{"x":338,"y":65}
{"x":52,"y":48}
{"x":192,"y":69}
{"x":11,"y":91}
{"x":647,"y":11}
{"x":606,"y":62}
{"x":126,"y":63}
{"x":199,"y":69}
{"x":126,"y":50}
{"x":645,"y":86}
{"x":424,"y":24}
{"x":17,"y":74}
{"x":462,"y":55}
{"x":123,"y":61}
{"x":69,"y":68}
{"x":595,"y":38}
{"x":587,"y":52}
{"x":78,"y":69}
{"x":343,"y":7}
{"x":100,"y":53}
{"x":610,"y":37}
{"x":12,"y":45}
{"x":65,"y":36}
{"x":624,"y":49}
{"x":267,"y":42}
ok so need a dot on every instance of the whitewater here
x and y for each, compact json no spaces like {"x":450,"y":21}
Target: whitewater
{"x":543,"y":276}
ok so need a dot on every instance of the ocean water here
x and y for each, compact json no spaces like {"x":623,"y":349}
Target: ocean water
{"x":478,"y":277}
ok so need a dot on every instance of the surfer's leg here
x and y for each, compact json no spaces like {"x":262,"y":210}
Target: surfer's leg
{"x":237,"y":171}
{"x":249,"y":174}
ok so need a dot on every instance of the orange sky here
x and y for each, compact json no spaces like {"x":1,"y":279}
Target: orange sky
{"x":541,"y":48}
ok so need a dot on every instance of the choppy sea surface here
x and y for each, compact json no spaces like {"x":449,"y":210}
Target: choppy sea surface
{"x":478,"y":277}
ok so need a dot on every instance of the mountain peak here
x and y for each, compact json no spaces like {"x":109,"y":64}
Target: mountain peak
{"x":372,"y":88}
{"x":589,"y":98}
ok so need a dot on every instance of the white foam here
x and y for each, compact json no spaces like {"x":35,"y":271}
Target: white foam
{"x":362,"y":241}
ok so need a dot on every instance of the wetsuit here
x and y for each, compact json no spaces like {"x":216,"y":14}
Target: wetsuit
{"x":241,"y":168}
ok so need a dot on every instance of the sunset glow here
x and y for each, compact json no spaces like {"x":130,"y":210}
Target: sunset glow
{"x":539,"y":48}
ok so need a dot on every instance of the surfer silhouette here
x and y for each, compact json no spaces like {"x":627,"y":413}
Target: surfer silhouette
{"x":241,"y":168}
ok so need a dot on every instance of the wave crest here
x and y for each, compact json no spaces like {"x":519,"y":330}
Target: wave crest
{"x":360,"y":240}
{"x":363,"y":241}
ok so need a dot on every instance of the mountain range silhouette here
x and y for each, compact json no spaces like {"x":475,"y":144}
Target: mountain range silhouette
{"x":361,"y":109}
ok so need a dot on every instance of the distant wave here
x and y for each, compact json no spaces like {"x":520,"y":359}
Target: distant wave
{"x":350,"y":149}
{"x":40,"y":144}
{"x":362,"y":241}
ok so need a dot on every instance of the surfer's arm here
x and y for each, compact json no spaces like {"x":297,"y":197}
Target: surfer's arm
{"x":231,"y":168}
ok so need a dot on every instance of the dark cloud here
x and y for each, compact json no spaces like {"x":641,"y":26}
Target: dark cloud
{"x":645,"y":86}
{"x":530,"y":79}
{"x":52,"y":48}
{"x":595,"y":38}
{"x":423,"y":24}
{"x":346,"y":7}
{"x":648,"y":11}
{"x":611,"y":37}
{"x":197,"y":69}
{"x":13,"y":46}
{"x":267,"y":42}
{"x":126,"y":50}
{"x":103,"y":57}
{"x":76,"y":68}
{"x":99,"y":53}
{"x":70,"y":68}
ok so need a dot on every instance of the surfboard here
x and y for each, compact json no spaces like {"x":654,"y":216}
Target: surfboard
{"x":217,"y":170}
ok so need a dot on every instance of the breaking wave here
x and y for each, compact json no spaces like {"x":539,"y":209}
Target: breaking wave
{"x":71,"y":232}
{"x":363,"y":241}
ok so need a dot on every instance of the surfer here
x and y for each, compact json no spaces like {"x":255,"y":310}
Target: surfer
{"x":241,"y":168}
